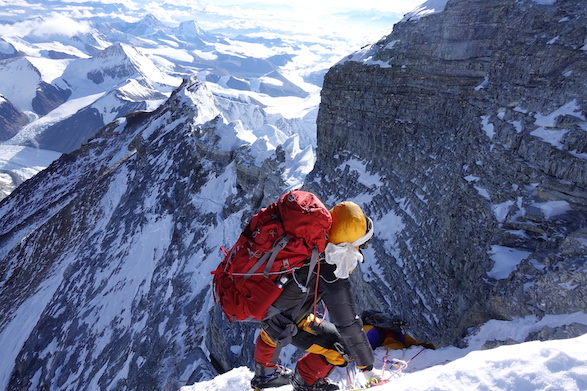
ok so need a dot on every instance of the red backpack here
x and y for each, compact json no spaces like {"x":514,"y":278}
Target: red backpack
{"x":284,"y":236}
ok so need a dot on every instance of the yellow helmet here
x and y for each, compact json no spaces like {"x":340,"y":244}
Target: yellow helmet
{"x":348,"y":223}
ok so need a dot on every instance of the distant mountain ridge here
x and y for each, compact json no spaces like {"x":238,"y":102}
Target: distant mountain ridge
{"x":59,"y":90}
{"x":106,"y":57}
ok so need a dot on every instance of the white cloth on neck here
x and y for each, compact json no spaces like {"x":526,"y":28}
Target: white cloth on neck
{"x":345,"y":255}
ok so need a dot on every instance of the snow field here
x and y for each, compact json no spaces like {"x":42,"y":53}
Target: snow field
{"x":557,"y":365}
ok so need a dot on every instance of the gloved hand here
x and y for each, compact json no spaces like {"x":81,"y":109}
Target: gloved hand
{"x":372,"y":375}
{"x":428,"y":345}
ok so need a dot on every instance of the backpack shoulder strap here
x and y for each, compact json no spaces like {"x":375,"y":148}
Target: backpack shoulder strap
{"x":313,"y":262}
{"x":287,"y":334}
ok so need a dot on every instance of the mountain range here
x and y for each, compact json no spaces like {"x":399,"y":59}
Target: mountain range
{"x":57,"y":89}
{"x":461,"y":134}
{"x":121,"y":67}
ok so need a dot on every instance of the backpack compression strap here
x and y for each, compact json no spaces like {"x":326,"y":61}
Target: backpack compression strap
{"x":268,"y":257}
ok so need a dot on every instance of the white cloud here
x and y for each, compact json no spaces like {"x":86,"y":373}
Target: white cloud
{"x":58,"y":24}
{"x":13,"y":3}
{"x":54,"y":24}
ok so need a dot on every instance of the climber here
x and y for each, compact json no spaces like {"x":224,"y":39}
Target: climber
{"x":327,"y":344}
{"x":385,"y":330}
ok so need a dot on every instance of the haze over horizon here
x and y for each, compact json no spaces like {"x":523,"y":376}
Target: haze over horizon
{"x":358,"y":22}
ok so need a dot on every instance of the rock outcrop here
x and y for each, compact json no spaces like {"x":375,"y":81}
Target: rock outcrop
{"x":11,"y":119}
{"x":463,"y":134}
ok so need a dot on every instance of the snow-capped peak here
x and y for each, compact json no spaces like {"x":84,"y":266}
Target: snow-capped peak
{"x":427,"y":8}
{"x":190,"y":29}
{"x":148,"y":25}
{"x":19,"y":80}
{"x":120,"y":50}
{"x":112,"y":66}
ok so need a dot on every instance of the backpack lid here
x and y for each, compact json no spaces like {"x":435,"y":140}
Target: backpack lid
{"x":304,"y":216}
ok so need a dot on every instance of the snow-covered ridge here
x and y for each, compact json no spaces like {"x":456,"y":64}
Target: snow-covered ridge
{"x":126,"y":173}
{"x":429,"y":7}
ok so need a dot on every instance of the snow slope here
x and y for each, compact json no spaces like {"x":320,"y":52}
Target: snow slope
{"x":529,"y":366}
{"x":19,"y":79}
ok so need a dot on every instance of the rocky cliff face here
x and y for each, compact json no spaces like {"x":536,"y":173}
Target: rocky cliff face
{"x":464,"y":136}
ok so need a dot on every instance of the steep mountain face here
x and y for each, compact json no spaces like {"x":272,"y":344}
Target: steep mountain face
{"x":122,"y":79}
{"x":464,"y":135}
{"x":48,"y":97}
{"x":106,"y":255}
{"x":23,"y":86}
{"x":20,"y":80}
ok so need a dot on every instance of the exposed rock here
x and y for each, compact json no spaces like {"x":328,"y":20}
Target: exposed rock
{"x":458,"y":132}
{"x":11,"y":119}
{"x":48,"y":97}
{"x":496,"y":343}
{"x":572,"y":330}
